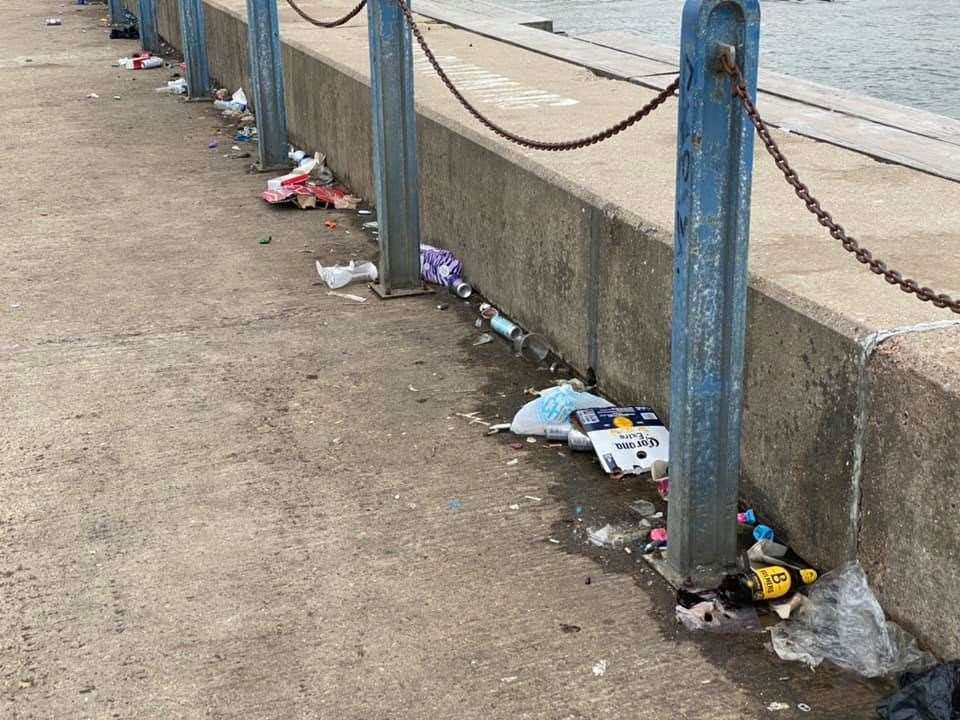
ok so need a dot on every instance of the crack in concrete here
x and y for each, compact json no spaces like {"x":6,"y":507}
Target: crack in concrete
{"x":868,"y":345}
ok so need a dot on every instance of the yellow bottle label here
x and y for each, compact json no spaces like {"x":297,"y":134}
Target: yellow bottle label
{"x":774,"y":582}
{"x":809,"y":576}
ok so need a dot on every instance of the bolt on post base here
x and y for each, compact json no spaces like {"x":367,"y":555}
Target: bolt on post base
{"x":385,"y":294}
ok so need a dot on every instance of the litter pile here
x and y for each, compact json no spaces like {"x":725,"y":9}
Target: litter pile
{"x":310,"y":182}
{"x":437,"y":266}
{"x":835,"y":618}
{"x":628,"y":440}
{"x":127,"y":28}
{"x":236,"y":104}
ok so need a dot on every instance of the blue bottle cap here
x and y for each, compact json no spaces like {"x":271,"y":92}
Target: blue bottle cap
{"x":762,"y":532}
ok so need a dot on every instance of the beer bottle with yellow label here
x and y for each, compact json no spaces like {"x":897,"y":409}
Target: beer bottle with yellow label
{"x":768,"y":583}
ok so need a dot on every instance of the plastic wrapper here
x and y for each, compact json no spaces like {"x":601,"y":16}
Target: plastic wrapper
{"x":842,"y":622}
{"x":622,"y":535}
{"x":712,"y":616}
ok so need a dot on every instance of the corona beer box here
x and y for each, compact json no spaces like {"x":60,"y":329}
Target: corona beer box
{"x":627,"y":440}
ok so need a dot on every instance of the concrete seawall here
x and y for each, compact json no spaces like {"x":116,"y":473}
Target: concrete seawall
{"x":850,"y":389}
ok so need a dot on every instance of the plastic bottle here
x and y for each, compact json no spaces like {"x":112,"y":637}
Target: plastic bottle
{"x":336,"y":276}
{"x":768,"y":583}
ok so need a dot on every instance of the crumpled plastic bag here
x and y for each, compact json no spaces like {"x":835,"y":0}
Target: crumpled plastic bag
{"x":842,"y":622}
{"x":930,"y":695}
{"x":621,"y":535}
{"x":554,"y":406}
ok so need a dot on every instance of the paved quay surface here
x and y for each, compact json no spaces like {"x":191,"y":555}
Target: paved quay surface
{"x":221,"y":496}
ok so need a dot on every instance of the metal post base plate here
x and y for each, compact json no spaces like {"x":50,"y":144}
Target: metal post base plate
{"x":658,"y":562}
{"x":384,"y":295}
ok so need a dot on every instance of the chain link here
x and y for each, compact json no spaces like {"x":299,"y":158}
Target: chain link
{"x":876,"y":266}
{"x":551,"y":146}
{"x":850,"y":244}
{"x":327,"y":23}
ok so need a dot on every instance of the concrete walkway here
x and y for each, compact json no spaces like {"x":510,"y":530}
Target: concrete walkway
{"x":227,"y":494}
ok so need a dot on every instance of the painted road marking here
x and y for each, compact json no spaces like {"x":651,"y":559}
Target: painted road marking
{"x":486,"y":86}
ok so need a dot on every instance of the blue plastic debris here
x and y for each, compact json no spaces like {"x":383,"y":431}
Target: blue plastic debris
{"x":762,"y":532}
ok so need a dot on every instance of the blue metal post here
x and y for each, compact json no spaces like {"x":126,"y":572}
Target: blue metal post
{"x":712,"y":223}
{"x":116,"y":12}
{"x":194,"y":34}
{"x":394,"y":150}
{"x":149,"y":35}
{"x":266,"y":75}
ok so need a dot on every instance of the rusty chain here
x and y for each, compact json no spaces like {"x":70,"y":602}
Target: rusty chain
{"x":327,"y":23}
{"x":554,"y":146}
{"x":878,"y":267}
{"x":850,"y":244}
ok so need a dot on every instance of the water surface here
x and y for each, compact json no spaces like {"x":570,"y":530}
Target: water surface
{"x":905,"y":51}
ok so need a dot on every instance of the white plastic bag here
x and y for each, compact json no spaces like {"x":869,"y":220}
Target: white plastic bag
{"x":842,"y":622}
{"x":554,"y":406}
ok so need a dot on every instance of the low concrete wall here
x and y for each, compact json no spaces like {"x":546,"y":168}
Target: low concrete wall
{"x":595,"y":279}
{"x":910,"y":539}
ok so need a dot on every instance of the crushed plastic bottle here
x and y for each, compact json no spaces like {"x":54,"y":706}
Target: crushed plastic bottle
{"x":174,"y":87}
{"x":336,"y":276}
{"x":442,"y":267}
